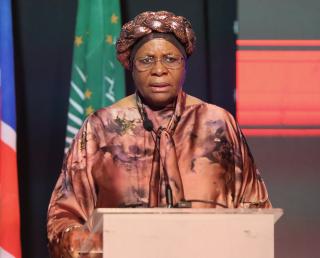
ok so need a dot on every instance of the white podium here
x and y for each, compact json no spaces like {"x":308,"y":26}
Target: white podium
{"x":185,"y":233}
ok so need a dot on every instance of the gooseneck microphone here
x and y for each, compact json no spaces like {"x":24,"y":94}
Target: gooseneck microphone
{"x":148,"y":126}
{"x":147,"y":123}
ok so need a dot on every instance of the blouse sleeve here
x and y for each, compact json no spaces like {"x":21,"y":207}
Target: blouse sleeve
{"x":249,"y":188}
{"x":74,"y":197}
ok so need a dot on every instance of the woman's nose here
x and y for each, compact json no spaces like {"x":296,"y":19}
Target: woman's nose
{"x":158,"y":68}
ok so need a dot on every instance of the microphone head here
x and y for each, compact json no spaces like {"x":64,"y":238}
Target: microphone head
{"x":147,"y":124}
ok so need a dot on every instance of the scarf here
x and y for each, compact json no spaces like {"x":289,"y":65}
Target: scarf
{"x":165,"y":175}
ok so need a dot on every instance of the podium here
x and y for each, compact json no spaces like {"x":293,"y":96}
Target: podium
{"x":185,"y":233}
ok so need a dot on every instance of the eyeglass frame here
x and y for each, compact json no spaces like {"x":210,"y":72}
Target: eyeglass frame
{"x":157,"y":59}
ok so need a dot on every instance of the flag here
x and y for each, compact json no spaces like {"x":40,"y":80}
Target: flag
{"x":97,"y":78}
{"x":9,"y":195}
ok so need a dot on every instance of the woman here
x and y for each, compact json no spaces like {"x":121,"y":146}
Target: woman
{"x":156,"y":148}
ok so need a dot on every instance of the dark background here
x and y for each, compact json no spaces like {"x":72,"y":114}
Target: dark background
{"x":44,"y":33}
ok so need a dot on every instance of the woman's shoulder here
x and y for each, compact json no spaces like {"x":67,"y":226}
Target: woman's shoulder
{"x":126,"y":102}
{"x":124,"y":108}
{"x":123,"y":104}
{"x":192,"y":101}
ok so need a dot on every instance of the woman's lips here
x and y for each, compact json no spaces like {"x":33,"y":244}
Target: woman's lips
{"x":159,"y":87}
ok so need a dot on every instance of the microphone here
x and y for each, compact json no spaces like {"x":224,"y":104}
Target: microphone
{"x":188,"y":203}
{"x":147,"y":123}
{"x":148,"y":126}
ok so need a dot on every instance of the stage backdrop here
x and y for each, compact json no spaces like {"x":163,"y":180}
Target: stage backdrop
{"x":44,"y":35}
{"x":278,"y":107}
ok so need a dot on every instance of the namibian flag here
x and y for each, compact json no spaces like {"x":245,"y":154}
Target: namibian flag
{"x":9,"y":196}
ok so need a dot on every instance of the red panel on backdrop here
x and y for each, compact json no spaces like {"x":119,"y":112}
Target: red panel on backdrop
{"x":278,"y":88}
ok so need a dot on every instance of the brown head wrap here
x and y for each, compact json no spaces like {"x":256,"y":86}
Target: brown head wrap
{"x":150,"y":22}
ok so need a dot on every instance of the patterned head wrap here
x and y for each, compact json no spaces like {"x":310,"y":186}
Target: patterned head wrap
{"x":154,"y":22}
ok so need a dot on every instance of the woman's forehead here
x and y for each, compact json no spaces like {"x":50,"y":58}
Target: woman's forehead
{"x":157,"y":46}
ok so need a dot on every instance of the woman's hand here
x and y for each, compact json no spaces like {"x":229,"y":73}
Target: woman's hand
{"x":78,"y":238}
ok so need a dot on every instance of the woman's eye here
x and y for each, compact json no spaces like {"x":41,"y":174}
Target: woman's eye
{"x":170,"y":59}
{"x":147,"y":60}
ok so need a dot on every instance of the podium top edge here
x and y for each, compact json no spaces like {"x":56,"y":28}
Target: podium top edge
{"x":274,"y":211}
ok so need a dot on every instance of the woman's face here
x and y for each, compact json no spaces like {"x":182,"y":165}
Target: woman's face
{"x":159,"y":85}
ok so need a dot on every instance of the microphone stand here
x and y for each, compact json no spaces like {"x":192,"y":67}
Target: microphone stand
{"x":148,"y":126}
{"x":168,"y":190}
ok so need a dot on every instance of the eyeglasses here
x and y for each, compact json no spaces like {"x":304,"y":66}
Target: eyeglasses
{"x":169,"y":61}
